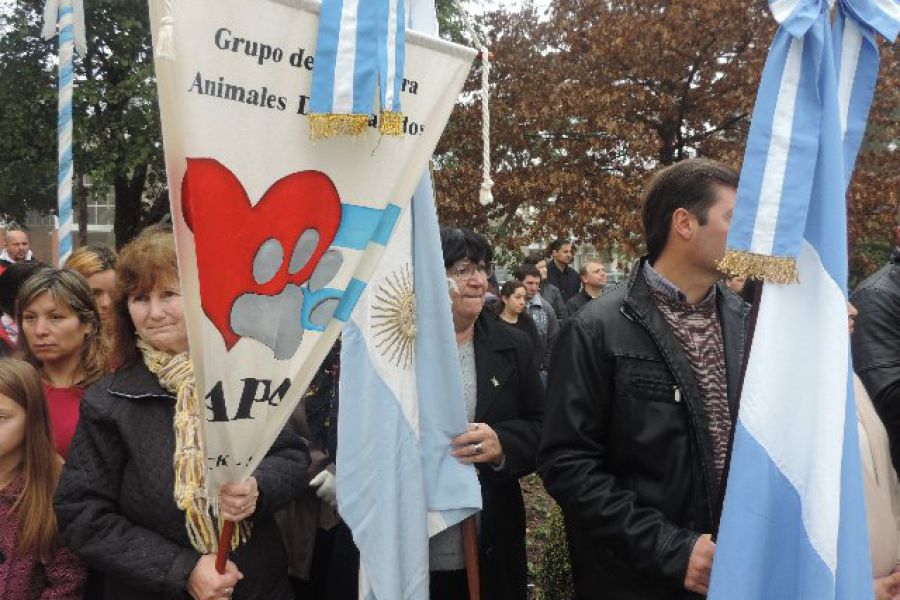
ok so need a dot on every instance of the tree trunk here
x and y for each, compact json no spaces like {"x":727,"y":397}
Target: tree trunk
{"x":129,"y":192}
{"x":81,"y":211}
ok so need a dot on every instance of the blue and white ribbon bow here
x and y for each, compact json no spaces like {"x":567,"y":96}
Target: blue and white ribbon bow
{"x":67,"y":18}
{"x":360,"y":49}
{"x":808,"y":55}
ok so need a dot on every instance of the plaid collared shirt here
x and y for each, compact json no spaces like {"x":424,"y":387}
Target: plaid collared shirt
{"x":699,"y":332}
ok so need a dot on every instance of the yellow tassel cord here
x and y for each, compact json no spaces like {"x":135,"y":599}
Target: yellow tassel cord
{"x":391,"y":123}
{"x":774,"y":269}
{"x":324,"y":126}
{"x":176,"y":374}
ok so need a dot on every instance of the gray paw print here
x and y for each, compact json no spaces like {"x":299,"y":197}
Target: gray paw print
{"x":279,"y":321}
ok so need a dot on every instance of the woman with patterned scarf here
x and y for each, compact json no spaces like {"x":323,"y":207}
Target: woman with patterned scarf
{"x":131,"y":499}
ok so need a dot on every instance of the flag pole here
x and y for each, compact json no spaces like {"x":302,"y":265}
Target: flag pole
{"x":224,"y":546}
{"x":470,"y":545}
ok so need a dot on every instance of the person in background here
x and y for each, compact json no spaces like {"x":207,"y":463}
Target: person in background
{"x":116,"y":496}
{"x":512,"y":311}
{"x":11,"y":279}
{"x":559,"y":270}
{"x":541,"y":312}
{"x":736,"y":284}
{"x":17,"y":248}
{"x":876,"y":343}
{"x":548,"y":291}
{"x":33,"y":562}
{"x":882,"y":490}
{"x":60,"y":335}
{"x":593,"y":280}
{"x":97,"y":264}
{"x":310,"y":524}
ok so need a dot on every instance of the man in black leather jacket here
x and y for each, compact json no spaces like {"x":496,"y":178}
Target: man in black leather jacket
{"x":876,"y":343}
{"x":641,"y":400}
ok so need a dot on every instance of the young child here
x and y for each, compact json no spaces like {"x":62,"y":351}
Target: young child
{"x":33,"y":563}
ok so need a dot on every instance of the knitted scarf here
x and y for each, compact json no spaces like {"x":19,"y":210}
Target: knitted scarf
{"x":175,"y":373}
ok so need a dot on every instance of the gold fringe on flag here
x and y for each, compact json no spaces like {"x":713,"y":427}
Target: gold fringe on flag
{"x":175,"y":373}
{"x":774,"y":269}
{"x":324,"y":126}
{"x":391,"y":123}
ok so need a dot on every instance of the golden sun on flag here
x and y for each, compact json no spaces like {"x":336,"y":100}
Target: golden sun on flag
{"x":394,"y":317}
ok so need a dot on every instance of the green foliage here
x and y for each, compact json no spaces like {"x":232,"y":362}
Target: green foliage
{"x":27,"y":114}
{"x":450,"y":21}
{"x":117,"y":138}
{"x":554,"y":574}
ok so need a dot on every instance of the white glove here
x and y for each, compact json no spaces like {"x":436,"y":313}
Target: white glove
{"x":327,"y":491}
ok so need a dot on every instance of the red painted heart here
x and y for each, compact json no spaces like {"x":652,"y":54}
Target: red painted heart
{"x":228,"y":232}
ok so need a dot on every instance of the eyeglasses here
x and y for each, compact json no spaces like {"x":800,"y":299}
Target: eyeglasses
{"x":466,"y":269}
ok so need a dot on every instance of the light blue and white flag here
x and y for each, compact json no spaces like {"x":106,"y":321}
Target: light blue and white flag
{"x":794,"y":523}
{"x":360,"y":52}
{"x":401,"y":404}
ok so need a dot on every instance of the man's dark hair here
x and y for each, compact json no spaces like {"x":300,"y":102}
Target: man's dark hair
{"x":12,"y":279}
{"x":534,"y":257}
{"x":526,"y":270}
{"x":559,"y":243}
{"x":458,"y":243}
{"x":691,"y":185}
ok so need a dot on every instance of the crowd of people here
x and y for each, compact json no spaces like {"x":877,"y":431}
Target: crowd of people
{"x":622,"y":398}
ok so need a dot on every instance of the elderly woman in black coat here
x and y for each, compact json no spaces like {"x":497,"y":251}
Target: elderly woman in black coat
{"x":503,"y":398}
{"x":116,"y":500}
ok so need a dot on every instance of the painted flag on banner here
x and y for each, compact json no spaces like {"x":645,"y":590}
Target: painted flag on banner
{"x":794,"y":522}
{"x":276,"y":237}
{"x":361,"y":53}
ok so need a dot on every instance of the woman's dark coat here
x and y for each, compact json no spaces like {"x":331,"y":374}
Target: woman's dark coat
{"x":510,"y":400}
{"x":115,"y":499}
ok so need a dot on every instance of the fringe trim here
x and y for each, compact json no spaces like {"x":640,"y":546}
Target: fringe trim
{"x":201,"y":513}
{"x":325,"y":126}
{"x":391,"y":123}
{"x":774,"y":269}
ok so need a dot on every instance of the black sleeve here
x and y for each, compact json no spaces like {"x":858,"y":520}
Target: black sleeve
{"x":86,"y":506}
{"x":519,"y":437}
{"x":571,"y":463}
{"x":282,"y":475}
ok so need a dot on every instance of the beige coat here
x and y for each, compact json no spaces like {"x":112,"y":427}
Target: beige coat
{"x":881,"y":486}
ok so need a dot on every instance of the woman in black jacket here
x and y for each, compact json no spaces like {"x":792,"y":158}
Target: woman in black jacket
{"x":116,"y":500}
{"x":500,"y":373}
{"x":511,"y":311}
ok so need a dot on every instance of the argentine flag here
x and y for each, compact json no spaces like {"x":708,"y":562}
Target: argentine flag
{"x":401,"y":404}
{"x":794,"y":524}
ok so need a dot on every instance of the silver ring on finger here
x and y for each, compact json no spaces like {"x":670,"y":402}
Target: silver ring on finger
{"x":479,"y":448}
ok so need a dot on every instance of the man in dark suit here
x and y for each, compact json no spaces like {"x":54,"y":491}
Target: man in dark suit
{"x":559,"y":270}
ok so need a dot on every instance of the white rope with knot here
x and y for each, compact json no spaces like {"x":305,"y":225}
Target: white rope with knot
{"x":485,"y":196}
{"x":165,"y":35}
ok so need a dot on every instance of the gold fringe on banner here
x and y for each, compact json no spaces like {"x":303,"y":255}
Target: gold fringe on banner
{"x":324,"y":126}
{"x":391,"y":123}
{"x":774,"y":269}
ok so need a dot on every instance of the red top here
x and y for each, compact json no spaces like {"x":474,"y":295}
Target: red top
{"x":63,"y":404}
{"x":25,"y":576}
